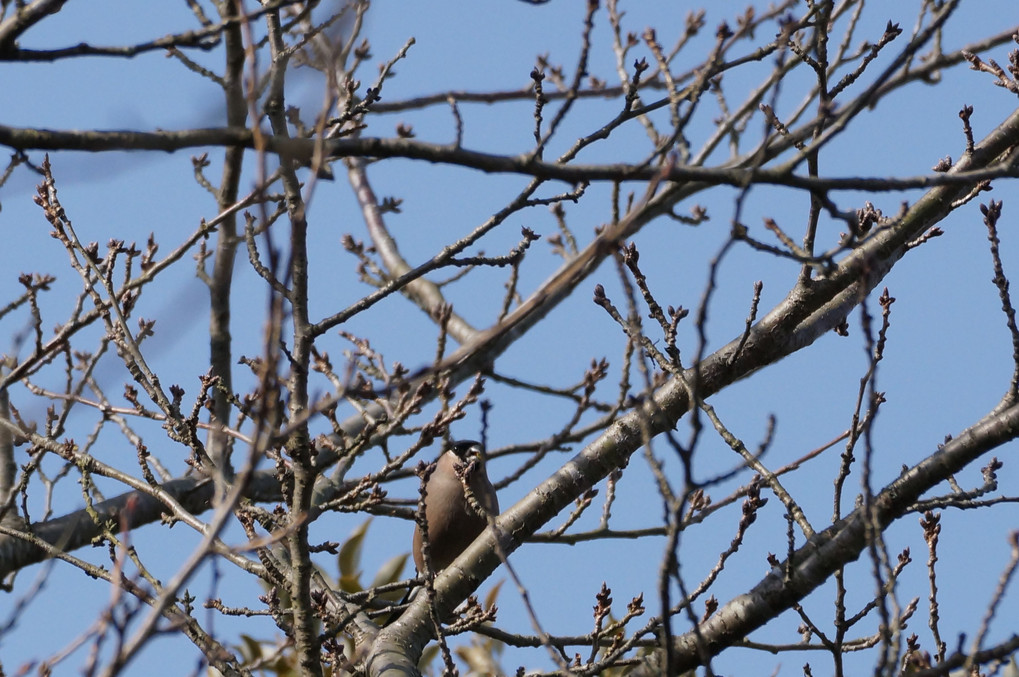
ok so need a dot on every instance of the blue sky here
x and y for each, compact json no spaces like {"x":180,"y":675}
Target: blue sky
{"x":947,"y":363}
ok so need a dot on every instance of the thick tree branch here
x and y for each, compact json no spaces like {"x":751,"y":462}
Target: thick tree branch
{"x":811,"y":309}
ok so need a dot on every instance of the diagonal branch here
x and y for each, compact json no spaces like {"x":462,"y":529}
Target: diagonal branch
{"x":808,"y":311}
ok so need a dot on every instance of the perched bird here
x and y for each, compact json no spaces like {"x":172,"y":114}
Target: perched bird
{"x":452,"y":521}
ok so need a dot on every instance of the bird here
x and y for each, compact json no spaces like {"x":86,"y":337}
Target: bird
{"x":453,"y":523}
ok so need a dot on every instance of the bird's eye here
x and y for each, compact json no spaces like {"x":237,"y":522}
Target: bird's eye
{"x":467,"y":450}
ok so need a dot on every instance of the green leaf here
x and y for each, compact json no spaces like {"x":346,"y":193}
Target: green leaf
{"x":252,"y":649}
{"x":391,"y":572}
{"x":493,"y":594}
{"x":427,"y":656}
{"x":349,"y":559}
